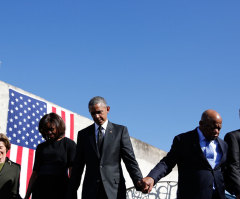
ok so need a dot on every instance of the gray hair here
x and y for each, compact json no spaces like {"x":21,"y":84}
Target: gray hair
{"x":97,"y":100}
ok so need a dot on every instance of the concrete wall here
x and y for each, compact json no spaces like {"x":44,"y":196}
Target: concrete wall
{"x":147,"y":155}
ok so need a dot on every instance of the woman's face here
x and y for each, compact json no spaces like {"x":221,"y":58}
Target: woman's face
{"x":3,"y":150}
{"x":51,"y":131}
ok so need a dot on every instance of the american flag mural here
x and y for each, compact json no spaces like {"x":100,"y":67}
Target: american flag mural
{"x":24,"y":114}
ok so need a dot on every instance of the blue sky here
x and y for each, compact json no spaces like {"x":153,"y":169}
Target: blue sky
{"x":159,"y":64}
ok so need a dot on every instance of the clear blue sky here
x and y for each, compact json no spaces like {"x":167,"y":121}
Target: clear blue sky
{"x":158,"y":63}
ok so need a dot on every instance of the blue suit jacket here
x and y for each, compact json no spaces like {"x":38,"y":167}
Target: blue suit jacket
{"x":195,"y":175}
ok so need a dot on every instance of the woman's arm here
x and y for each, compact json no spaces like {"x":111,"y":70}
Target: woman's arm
{"x":31,"y":184}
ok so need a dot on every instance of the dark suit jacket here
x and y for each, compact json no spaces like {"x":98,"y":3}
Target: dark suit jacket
{"x":195,"y":175}
{"x":107,"y":168}
{"x":232,"y":171}
{"x":9,"y":180}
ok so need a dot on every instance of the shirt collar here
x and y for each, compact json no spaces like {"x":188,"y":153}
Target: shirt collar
{"x":200,"y":135}
{"x":104,"y":126}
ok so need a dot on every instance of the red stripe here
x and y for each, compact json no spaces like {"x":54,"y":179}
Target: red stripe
{"x":30,"y":165}
{"x":8,"y":154}
{"x":72,"y":126}
{"x":63,"y":116}
{"x":19,"y":155}
{"x":54,"y":109}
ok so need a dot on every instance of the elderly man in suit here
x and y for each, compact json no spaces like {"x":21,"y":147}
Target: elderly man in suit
{"x":199,"y":155}
{"x":232,"y":171}
{"x":101,"y":147}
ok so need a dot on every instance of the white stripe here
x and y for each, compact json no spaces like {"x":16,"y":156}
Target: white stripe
{"x":67,"y":132}
{"x":24,"y":168}
{"x":49,"y":108}
{"x":13,"y":152}
{"x":58,"y":111}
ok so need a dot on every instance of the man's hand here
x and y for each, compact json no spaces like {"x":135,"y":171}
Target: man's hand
{"x":147,"y":184}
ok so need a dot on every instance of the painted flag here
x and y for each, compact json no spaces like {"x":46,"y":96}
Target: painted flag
{"x":24,"y":114}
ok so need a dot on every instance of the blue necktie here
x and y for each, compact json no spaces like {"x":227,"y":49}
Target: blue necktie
{"x":209,"y":153}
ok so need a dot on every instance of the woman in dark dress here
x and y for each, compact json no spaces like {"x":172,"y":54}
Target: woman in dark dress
{"x":53,"y":160}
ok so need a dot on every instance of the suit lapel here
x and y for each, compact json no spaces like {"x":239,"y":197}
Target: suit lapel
{"x":222,"y":150}
{"x":92,"y":139}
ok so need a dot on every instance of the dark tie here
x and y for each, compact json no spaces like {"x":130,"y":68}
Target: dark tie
{"x":100,"y":138}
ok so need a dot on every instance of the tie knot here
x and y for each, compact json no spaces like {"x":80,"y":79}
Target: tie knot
{"x":100,"y":128}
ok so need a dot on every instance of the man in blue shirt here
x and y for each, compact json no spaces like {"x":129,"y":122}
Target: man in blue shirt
{"x":199,"y":155}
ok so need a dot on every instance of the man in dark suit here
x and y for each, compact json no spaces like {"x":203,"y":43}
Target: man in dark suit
{"x":232,"y":171}
{"x":101,"y":147}
{"x":199,"y":155}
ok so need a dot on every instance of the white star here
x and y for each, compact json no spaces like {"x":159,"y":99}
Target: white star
{"x":16,"y":99}
{"x":11,"y":111}
{"x":31,"y":140}
{"x":32,"y":131}
{"x":12,"y":94}
{"x":25,"y":111}
{"x":10,"y":129}
{"x":29,"y":117}
{"x":21,"y":97}
{"x":16,"y":117}
{"x":34,"y":145}
{"x":19,"y":132}
{"x":29,"y":108}
{"x":33,"y":106}
{"x":26,"y":142}
{"x":14,"y":135}
{"x":21,"y":106}
{"x":33,"y":114}
{"x":23,"y":137}
{"x":15,"y":126}
{"x":29,"y":100}
{"x":11,"y":120}
{"x":18,"y":141}
{"x":25,"y":103}
{"x":24,"y":129}
{"x":20,"y":114}
{"x":33,"y":122}
{"x":27,"y":134}
{"x":16,"y":108}
{"x":12,"y":102}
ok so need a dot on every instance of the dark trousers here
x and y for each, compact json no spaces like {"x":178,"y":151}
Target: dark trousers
{"x":101,"y":193}
{"x":215,"y":195}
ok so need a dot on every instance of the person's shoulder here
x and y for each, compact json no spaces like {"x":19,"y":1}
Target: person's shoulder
{"x":116,"y":125}
{"x":235,"y":132}
{"x":86,"y":130}
{"x":13,"y":164}
{"x":188,"y":134}
{"x":232,"y":135}
{"x":68,"y":140}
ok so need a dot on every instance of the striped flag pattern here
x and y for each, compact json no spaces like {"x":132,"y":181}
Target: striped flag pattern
{"x":24,"y":114}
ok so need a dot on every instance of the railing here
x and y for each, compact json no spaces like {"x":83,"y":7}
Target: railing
{"x":162,"y":190}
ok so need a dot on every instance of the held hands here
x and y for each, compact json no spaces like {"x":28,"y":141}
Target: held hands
{"x":146,"y":184}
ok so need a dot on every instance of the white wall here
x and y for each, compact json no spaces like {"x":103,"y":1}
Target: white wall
{"x":146,"y":155}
